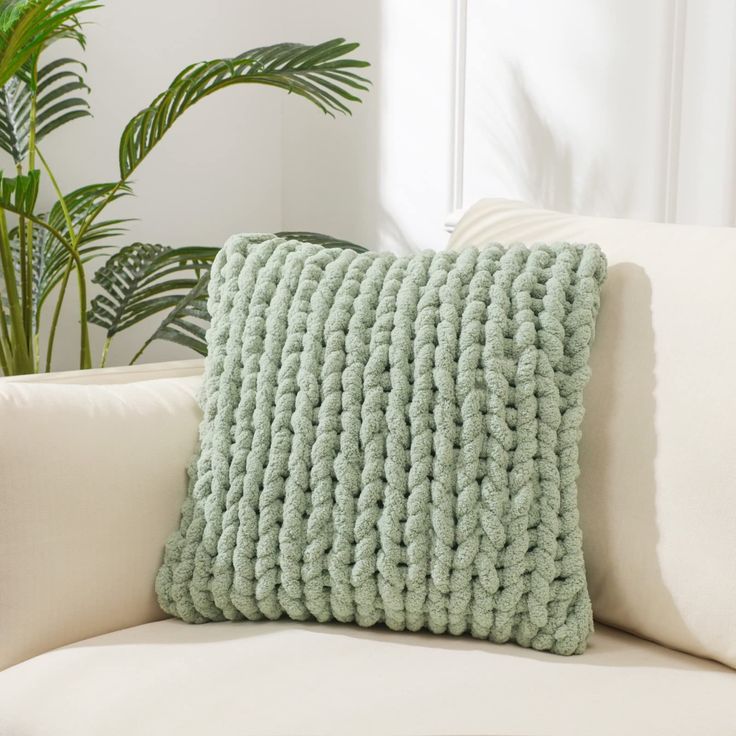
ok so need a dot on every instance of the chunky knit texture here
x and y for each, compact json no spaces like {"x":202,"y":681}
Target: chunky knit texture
{"x":393,"y":440}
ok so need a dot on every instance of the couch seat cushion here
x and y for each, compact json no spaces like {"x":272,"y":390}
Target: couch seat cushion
{"x":170,"y":677}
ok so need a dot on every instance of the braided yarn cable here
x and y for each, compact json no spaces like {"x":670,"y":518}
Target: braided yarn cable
{"x":392,"y":440}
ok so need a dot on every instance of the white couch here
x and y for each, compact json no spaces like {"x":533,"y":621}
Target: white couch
{"x":92,"y":472}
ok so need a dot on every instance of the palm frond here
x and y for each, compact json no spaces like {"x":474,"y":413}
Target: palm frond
{"x":186,"y":324}
{"x":50,"y":255}
{"x":320,"y":74}
{"x":57,"y":103}
{"x":84,"y":200}
{"x":18,"y":194}
{"x":27,"y":26}
{"x":37,"y":270}
{"x":142,"y":279}
{"x":320,"y":239}
{"x":50,"y":260}
{"x":15,"y":105}
{"x":54,"y":259}
{"x":11,"y":12}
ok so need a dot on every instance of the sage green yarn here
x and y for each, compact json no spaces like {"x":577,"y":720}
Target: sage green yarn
{"x":392,"y":440}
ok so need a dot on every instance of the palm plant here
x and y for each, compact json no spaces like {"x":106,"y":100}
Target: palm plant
{"x":41,"y":252}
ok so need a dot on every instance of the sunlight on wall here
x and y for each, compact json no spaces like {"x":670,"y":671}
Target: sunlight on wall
{"x":380,"y":177}
{"x":565,"y":104}
{"x":415,"y":123}
{"x":616,"y":108}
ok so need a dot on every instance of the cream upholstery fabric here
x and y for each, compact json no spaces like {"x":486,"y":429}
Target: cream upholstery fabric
{"x":81,"y":535}
{"x":117,"y":374}
{"x":658,"y":484}
{"x":286,"y":678}
{"x":91,"y":481}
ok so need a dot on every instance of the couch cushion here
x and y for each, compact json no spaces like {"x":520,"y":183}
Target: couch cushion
{"x":657,"y":490}
{"x":91,"y":481}
{"x":284,"y":678}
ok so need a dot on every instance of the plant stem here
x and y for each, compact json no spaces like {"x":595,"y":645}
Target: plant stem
{"x":68,"y":267}
{"x":6,"y":356}
{"x":140,"y":352}
{"x":20,"y":358}
{"x":28,"y":274}
{"x":85,"y":360}
{"x":100,"y":207}
{"x":25,"y":286}
{"x":84,"y":350}
{"x":4,"y":367}
{"x":85,"y":354}
{"x":62,"y":202}
{"x":23,"y":256}
{"x":105,"y":351}
{"x":57,"y":313}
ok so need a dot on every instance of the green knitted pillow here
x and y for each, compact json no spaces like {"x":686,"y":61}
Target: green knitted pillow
{"x":392,"y":439}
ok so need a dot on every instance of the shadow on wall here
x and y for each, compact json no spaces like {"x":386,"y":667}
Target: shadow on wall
{"x":569,"y":110}
{"x":531,"y":157}
{"x":619,"y":519}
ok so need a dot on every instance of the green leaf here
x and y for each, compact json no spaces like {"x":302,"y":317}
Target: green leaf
{"x":319,"y":239}
{"x":19,"y":194}
{"x":51,"y":256}
{"x":142,"y":279}
{"x":81,"y":202}
{"x":15,"y":108}
{"x":318,"y":73}
{"x":58,"y":103}
{"x":50,"y":259}
{"x":186,"y":324}
{"x":28,"y":26}
{"x":54,"y":261}
{"x":39,"y":263}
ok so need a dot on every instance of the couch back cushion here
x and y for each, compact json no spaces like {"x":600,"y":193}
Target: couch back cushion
{"x":657,"y":490}
{"x":91,"y":480}
{"x":116,"y":374}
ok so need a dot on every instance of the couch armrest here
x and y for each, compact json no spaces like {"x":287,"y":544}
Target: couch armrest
{"x":92,"y":476}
